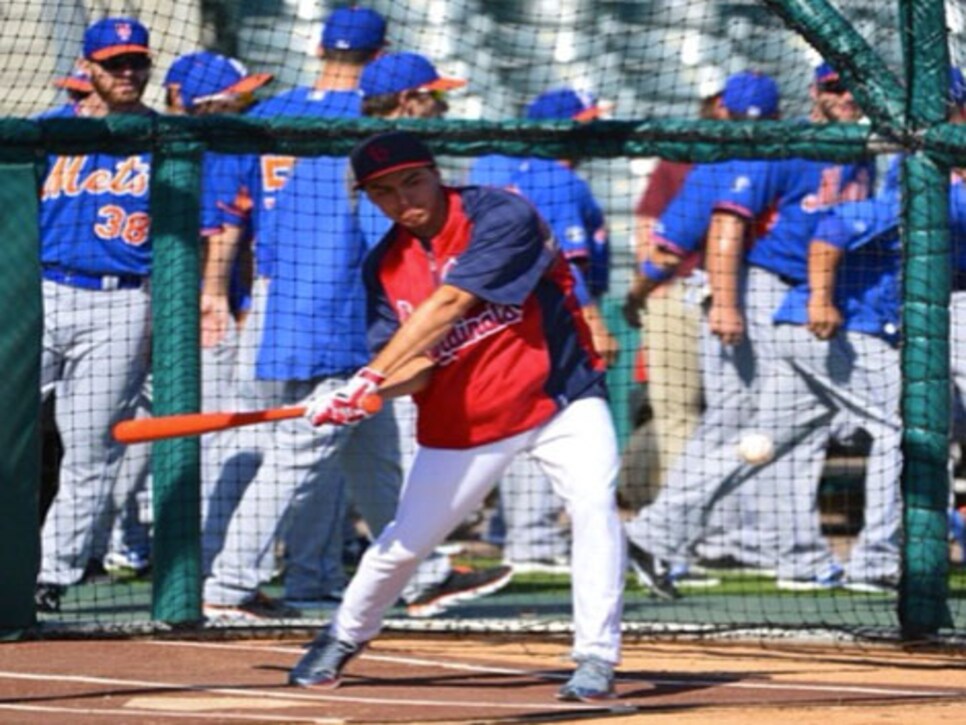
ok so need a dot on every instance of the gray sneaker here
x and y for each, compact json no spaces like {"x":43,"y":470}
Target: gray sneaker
{"x":322,"y":665}
{"x":593,"y":680}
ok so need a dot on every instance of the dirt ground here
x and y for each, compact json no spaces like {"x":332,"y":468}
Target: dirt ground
{"x":406,"y":679}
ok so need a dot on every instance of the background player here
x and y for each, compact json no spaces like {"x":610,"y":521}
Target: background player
{"x":96,"y":258}
{"x":446,"y":324}
{"x":527,"y":523}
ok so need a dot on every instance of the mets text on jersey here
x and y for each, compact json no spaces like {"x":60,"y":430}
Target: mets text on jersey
{"x":129,"y":177}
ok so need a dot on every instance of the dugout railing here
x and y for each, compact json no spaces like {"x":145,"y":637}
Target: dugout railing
{"x":905,"y":114}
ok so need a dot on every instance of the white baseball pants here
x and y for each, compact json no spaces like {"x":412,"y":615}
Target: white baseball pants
{"x":577,"y":450}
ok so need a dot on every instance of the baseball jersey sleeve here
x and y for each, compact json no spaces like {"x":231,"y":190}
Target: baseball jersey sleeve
{"x":683,"y":226}
{"x":749,"y":188}
{"x":510,"y":249}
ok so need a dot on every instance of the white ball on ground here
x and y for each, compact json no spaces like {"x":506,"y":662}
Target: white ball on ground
{"x":756,"y":448}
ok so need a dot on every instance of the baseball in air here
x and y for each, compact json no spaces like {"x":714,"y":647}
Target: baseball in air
{"x":756,"y":448}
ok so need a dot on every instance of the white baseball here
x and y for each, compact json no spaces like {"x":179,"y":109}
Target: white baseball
{"x":756,"y":448}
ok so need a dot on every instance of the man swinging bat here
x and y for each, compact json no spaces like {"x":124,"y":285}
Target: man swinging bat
{"x":471,"y":307}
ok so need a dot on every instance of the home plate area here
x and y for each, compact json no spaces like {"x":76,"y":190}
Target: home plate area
{"x":459,"y":679}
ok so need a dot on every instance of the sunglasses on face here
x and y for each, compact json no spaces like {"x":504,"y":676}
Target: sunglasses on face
{"x":836,"y":88}
{"x":135,"y":62}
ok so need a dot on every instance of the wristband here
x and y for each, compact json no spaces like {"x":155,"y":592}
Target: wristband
{"x":655,"y":273}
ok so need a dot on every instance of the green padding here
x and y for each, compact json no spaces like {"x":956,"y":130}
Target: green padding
{"x":175,"y":193}
{"x":20,"y":335}
{"x":923,"y":609}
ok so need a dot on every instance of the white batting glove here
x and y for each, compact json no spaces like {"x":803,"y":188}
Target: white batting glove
{"x":344,"y":406}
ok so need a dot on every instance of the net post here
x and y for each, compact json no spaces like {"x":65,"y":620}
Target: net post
{"x":175,"y":199}
{"x":925,"y":398}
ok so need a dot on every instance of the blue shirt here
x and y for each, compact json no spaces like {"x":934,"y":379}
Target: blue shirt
{"x":867,"y":290}
{"x":787,"y":197}
{"x":683,"y":226}
{"x":95,"y":212}
{"x":308,"y":242}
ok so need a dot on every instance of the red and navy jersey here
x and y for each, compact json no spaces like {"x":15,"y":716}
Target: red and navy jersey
{"x":522,"y":353}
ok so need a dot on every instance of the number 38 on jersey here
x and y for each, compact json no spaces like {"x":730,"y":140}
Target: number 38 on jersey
{"x":121,"y":185}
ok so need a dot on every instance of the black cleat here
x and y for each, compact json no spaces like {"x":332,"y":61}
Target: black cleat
{"x":322,"y":665}
{"x":47,"y":597}
{"x":644,"y":566}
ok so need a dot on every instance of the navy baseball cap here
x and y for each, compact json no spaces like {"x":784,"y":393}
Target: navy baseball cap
{"x":397,"y":72}
{"x":354,"y":29}
{"x":385,"y":153}
{"x":563,"y":103}
{"x":115,"y":36}
{"x":211,"y":77}
{"x":751,"y":94}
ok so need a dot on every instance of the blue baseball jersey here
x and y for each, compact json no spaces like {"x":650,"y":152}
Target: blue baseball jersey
{"x":95,"y":214}
{"x":787,"y":197}
{"x":268,"y":174}
{"x":67,"y":110}
{"x":315,"y":314}
{"x":495,"y":246}
{"x":683,"y":226}
{"x":867,"y":280}
{"x":225,"y":201}
{"x":565,"y":200}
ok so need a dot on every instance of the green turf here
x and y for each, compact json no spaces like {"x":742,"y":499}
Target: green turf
{"x":741,"y":600}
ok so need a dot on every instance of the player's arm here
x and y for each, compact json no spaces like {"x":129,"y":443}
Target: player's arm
{"x":403,"y":366}
{"x":723,"y":261}
{"x":605,"y":343}
{"x":428,"y":325}
{"x":824,"y":318}
{"x":655,"y":266}
{"x":215,"y":313}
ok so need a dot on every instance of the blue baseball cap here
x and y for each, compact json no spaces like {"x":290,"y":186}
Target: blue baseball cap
{"x":751,"y":94}
{"x":824,"y":73}
{"x":209,"y":76}
{"x":385,"y":153}
{"x":115,"y":36}
{"x":563,"y":103}
{"x":179,"y":68}
{"x":396,"y":72}
{"x":354,"y":29}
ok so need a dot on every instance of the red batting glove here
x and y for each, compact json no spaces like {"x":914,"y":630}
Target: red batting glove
{"x":344,"y":405}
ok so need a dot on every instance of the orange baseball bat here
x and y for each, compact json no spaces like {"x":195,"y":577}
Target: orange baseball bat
{"x":145,"y":430}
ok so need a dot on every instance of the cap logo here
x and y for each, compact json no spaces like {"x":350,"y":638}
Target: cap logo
{"x":379,"y":154}
{"x":123,"y":31}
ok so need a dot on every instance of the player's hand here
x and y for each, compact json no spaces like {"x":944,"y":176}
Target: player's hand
{"x":215,"y":319}
{"x":344,"y":406}
{"x":605,"y":344}
{"x":727,"y":323}
{"x":633,"y":303}
{"x":824,"y":319}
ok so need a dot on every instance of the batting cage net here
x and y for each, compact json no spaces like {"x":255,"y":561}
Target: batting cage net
{"x":763,"y":221}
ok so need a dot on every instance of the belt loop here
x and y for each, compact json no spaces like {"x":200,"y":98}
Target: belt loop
{"x":110,"y":282}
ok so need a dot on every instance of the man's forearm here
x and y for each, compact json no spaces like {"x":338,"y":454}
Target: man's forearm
{"x":725,"y":248}
{"x":823,"y":262}
{"x":428,"y":325}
